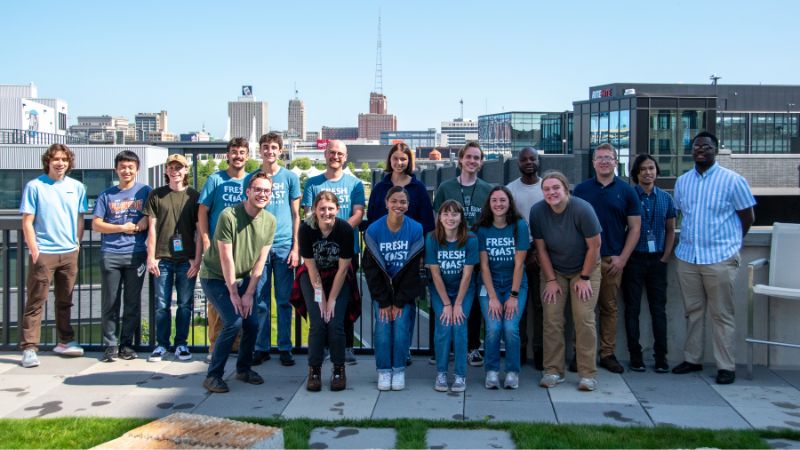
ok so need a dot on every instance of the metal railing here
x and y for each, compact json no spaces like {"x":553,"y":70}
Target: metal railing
{"x":30,"y":137}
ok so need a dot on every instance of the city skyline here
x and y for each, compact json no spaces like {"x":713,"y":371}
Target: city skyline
{"x":510,"y":56}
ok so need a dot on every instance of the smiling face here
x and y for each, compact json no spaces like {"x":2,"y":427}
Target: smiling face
{"x":471,"y":161}
{"x":336,"y":156}
{"x":704,"y":152}
{"x":450,"y":219}
{"x":499,"y":203}
{"x":325,"y":211}
{"x":176,"y":172}
{"x":397,"y":203}
{"x":554,"y":192}
{"x":604,"y":162}
{"x":528,"y":162}
{"x":399,"y":161}
{"x":647,"y":172}
{"x":126,"y":171}
{"x":270,"y":152}
{"x":59,"y":164}
{"x":237,"y":157}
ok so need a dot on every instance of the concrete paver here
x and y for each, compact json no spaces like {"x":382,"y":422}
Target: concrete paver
{"x":348,"y":437}
{"x":454,"y":438}
{"x":696,"y":416}
{"x":596,"y":413}
{"x":419,"y":400}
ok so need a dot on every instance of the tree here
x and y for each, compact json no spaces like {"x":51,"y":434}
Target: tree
{"x":352,"y":166}
{"x":381,"y":165}
{"x":251,"y":165}
{"x":366,"y":173}
{"x":223,"y":165}
{"x":320,"y":165}
{"x":302,"y":163}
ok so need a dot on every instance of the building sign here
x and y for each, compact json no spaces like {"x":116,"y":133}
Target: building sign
{"x":322,"y":144}
{"x":247,"y":90}
{"x":601,"y":93}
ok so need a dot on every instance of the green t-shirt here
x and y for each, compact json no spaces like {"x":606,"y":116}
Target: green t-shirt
{"x":472,"y":198}
{"x":176,"y":222}
{"x":247,"y":234}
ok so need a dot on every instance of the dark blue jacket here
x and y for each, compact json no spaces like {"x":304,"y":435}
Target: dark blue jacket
{"x":420,"y":207}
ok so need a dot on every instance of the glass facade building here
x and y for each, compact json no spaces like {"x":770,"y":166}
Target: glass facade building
{"x":510,"y":132}
{"x":413,"y":139}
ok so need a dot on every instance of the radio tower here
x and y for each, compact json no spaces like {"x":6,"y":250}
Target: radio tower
{"x":379,"y":62}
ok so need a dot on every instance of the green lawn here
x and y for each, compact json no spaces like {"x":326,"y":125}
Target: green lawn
{"x":88,"y":432}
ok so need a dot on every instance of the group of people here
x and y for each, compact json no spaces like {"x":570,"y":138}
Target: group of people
{"x":485,"y":253}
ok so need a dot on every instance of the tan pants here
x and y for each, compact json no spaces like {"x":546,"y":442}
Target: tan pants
{"x":215,"y":327}
{"x":584,"y":318}
{"x":63,"y":269}
{"x":607,"y":305}
{"x":711,"y":286}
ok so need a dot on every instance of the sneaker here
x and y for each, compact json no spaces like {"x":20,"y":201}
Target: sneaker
{"x":611,"y":364}
{"x":110,"y":354}
{"x":474,"y":358}
{"x":250,"y":377}
{"x":551,"y":380}
{"x":349,"y":357}
{"x":573,"y":365}
{"x":661,"y":365}
{"x":157,"y":355}
{"x":637,"y":365}
{"x":314,"y":382}
{"x":182,"y":353}
{"x":71,"y":348}
{"x":432,"y":360}
{"x":492,"y":381}
{"x":338,"y":378}
{"x":209,"y":356}
{"x":587,"y":384}
{"x":216,"y":385}
{"x":686,"y":367}
{"x":511,"y":381}
{"x":29,"y":358}
{"x":260,"y":357}
{"x":459,"y":385}
{"x":286,"y":358}
{"x":127,"y":353}
{"x":441,"y":382}
{"x":384,"y":381}
{"x":398,"y":381}
{"x":725,"y":376}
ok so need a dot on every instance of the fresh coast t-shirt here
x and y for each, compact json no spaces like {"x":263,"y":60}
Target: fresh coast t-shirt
{"x":55,"y":206}
{"x":220,"y":191}
{"x":394,"y":248}
{"x":451,"y":259}
{"x":501,"y":244}
{"x":285,"y":189}
{"x":247,"y":234}
{"x":118,"y":207}
{"x":348,"y":189}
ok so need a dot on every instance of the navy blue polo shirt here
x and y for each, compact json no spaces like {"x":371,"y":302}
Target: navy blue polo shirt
{"x":612,"y":204}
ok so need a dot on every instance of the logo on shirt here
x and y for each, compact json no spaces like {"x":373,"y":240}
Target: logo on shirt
{"x":500,"y":249}
{"x":451,"y":262}
{"x":394,"y":253}
{"x":119,"y":207}
{"x":231,"y":195}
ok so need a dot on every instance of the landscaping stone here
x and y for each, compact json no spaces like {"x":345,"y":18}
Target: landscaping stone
{"x":349,"y":437}
{"x":456,"y":438}
{"x":783,"y":443}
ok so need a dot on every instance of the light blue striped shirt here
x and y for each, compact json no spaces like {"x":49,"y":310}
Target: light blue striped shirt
{"x":711,"y":230}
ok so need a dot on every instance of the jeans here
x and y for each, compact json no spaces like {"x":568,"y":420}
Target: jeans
{"x":123,"y":276}
{"x":508,"y":330}
{"x":319,"y":332}
{"x":217,"y":293}
{"x":173,"y":273}
{"x":392,"y":340}
{"x":275,"y":269}
{"x":444,"y":334}
{"x":645,"y":271}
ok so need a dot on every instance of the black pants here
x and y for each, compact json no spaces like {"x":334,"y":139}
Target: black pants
{"x":321,"y":333}
{"x":533,"y":310}
{"x":349,"y":325}
{"x":474,"y":316}
{"x":122,"y":276}
{"x":645,"y":271}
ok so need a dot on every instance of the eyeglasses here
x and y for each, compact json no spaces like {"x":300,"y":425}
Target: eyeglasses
{"x":704,"y":147}
{"x":259,"y":191}
{"x":605,"y":158}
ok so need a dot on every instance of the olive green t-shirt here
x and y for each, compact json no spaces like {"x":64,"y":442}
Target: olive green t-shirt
{"x":247,"y":234}
{"x":176,"y":222}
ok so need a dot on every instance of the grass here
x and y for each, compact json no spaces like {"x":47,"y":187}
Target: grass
{"x":88,"y":432}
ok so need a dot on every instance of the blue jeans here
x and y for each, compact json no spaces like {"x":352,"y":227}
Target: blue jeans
{"x":392,"y":340}
{"x":284,"y":277}
{"x":444,"y":334}
{"x":217,"y":293}
{"x":508,"y":330}
{"x":173,"y":274}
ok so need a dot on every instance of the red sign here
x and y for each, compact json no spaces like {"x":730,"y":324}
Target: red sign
{"x":322,"y":144}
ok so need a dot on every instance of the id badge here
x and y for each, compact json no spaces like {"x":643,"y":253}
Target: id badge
{"x":177,"y":243}
{"x":651,"y":241}
{"x":483,"y":292}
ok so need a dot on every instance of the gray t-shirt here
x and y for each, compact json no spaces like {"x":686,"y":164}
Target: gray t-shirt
{"x":525,"y":196}
{"x":565,"y":234}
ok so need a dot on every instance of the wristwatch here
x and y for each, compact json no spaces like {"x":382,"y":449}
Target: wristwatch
{"x":585,"y":277}
{"x":514,"y":294}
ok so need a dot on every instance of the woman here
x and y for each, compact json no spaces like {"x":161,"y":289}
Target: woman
{"x":503,"y":243}
{"x":326,"y":282}
{"x":566,"y":232}
{"x":394,"y":248}
{"x":451,"y":253}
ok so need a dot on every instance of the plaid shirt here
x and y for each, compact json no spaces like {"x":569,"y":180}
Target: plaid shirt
{"x":657,"y":208}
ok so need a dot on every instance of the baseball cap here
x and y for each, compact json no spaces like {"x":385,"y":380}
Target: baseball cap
{"x":177,"y":158}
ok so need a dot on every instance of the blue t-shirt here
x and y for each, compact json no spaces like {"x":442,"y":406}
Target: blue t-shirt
{"x":348,"y":189}
{"x":55,"y":206}
{"x":220,"y":192}
{"x":394,"y":248}
{"x":612,"y":204}
{"x":451,"y":259}
{"x":118,"y":207}
{"x":501,"y":244}
{"x":285,"y":189}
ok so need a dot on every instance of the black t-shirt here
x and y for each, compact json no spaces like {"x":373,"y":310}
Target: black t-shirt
{"x":326,"y":251}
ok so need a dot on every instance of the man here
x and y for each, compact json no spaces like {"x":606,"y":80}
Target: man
{"x":350,"y":192}
{"x":231,"y":270}
{"x":119,"y":217}
{"x":527,"y":190}
{"x":617,"y":207}
{"x":717,"y":208}
{"x":647,"y":267}
{"x":172,"y":256}
{"x":471,"y":192}
{"x":222,"y":189}
{"x":284,"y":255}
{"x":52,"y":210}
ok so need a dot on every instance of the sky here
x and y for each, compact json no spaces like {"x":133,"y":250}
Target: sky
{"x":192,"y":57}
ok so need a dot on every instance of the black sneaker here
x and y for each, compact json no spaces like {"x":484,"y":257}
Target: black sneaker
{"x":686,"y":367}
{"x":127,"y":353}
{"x":637,"y":364}
{"x":260,"y":357}
{"x":286,"y":358}
{"x":216,"y":385}
{"x":661,"y":365}
{"x":250,"y":377}
{"x":474,"y":358}
{"x":111,"y":353}
{"x":573,"y":365}
{"x":611,"y":364}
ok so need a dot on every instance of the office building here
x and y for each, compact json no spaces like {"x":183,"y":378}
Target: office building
{"x":102,"y":129}
{"x":22,"y":109}
{"x":248,"y":116}
{"x":195,"y":136}
{"x":312,"y":136}
{"x":459,"y":132}
{"x":371,"y":125}
{"x":413,"y":139}
{"x":341,"y":133}
{"x":150,"y":123}
{"x":509,"y":132}
{"x":297,"y":119}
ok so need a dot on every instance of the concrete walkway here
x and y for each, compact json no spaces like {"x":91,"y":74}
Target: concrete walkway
{"x":87,"y":387}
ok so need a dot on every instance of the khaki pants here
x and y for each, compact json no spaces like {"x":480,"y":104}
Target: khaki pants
{"x":607,"y":302}
{"x":63,"y":269}
{"x":711,"y":286}
{"x":215,"y":327}
{"x":584,"y":318}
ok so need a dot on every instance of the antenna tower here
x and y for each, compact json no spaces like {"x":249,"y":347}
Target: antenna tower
{"x":461,"y":102}
{"x":379,"y":61}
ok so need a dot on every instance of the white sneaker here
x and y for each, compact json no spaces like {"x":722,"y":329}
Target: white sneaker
{"x":551,"y":380}
{"x":384,"y":381}
{"x":182,"y":353}
{"x":398,"y":381}
{"x":157,"y":355}
{"x":29,"y":358}
{"x":459,"y":385}
{"x":441,"y":382}
{"x":512,"y":380}
{"x":71,"y":348}
{"x":587,"y":384}
{"x":492,"y":381}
